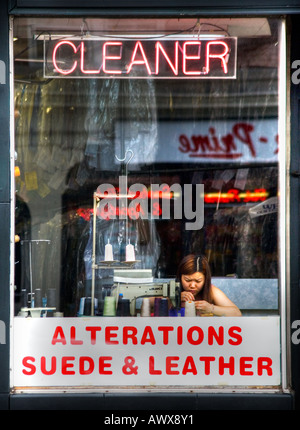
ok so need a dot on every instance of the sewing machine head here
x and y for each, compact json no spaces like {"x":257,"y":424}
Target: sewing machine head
{"x":136,"y":284}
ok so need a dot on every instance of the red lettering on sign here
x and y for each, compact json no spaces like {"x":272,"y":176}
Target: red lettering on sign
{"x":165,"y":330}
{"x":110,"y":335}
{"x":31,"y":368}
{"x":264,"y":363}
{"x":199,"y":335}
{"x":207,"y":361}
{"x":66,"y":366}
{"x":187,"y":58}
{"x":148,"y":336}
{"x":159,"y":48}
{"x":59,"y":336}
{"x":213,"y":335}
{"x":189,"y":366}
{"x":166,"y":58}
{"x":226,"y":365}
{"x":222,"y":56}
{"x":111,"y":58}
{"x":142,"y":61}
{"x":74,"y":341}
{"x":83,"y":70}
{"x":171,"y":363}
{"x":57,"y":68}
{"x":130,"y":333}
{"x":104,"y":364}
{"x":83,"y":370}
{"x":152,"y":370}
{"x":244,"y":366}
{"x":52,"y":370}
{"x":236,"y":337}
{"x":93,"y":331}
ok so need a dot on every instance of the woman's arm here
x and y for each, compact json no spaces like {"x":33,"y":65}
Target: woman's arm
{"x":222,"y":306}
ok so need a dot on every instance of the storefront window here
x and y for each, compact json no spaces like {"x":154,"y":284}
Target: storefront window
{"x":139,"y":142}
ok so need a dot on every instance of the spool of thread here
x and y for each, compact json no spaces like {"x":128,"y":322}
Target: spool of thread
{"x":156,"y":306}
{"x":81,"y":306}
{"x":51,"y":297}
{"x":163,"y":307}
{"x":119,"y":305}
{"x":38,"y":298}
{"x":87,"y":308}
{"x":190,"y":310}
{"x":58,"y":314}
{"x":109,"y":309}
{"x":145,"y":309}
{"x":130,"y":255}
{"x":108,"y":252}
{"x":125,"y":308}
{"x":24,"y":299}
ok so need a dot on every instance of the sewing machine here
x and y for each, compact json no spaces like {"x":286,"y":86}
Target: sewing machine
{"x":136,"y":284}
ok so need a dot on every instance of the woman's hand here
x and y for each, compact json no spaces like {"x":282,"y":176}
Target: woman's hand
{"x":204,"y":307}
{"x":187,"y":296}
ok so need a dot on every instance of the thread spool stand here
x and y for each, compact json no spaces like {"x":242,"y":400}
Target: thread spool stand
{"x":30,"y":242}
{"x":36,"y":312}
{"x":114,"y":264}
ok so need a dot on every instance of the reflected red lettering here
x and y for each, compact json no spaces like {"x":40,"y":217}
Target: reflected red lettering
{"x":242,"y":132}
{"x":211,"y":145}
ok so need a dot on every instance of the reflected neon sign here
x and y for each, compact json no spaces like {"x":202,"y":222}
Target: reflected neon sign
{"x":235,"y":196}
{"x":168,"y":59}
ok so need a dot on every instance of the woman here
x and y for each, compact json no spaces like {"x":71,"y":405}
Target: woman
{"x":195,"y":280}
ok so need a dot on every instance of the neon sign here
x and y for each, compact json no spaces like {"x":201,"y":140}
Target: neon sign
{"x":131,"y":58}
{"x":110,"y":211}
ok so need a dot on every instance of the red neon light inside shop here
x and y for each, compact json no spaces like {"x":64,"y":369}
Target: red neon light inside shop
{"x":159,"y":48}
{"x":58,"y":69}
{"x":185,"y":58}
{"x":222,"y":56}
{"x":107,"y":57}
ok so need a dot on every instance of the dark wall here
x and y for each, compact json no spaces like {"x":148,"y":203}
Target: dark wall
{"x":4,"y":204}
{"x":212,"y":7}
{"x":295,"y":200}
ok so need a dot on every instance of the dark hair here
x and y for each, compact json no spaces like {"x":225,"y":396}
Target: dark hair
{"x":196,"y":263}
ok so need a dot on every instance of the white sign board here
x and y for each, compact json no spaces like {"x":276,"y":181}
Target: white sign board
{"x":230,"y":141}
{"x":227,"y":351}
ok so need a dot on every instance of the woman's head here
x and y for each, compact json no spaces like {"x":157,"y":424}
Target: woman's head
{"x":194,"y":275}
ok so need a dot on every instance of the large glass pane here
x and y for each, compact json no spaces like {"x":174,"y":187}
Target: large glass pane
{"x":140,"y":142}
{"x":70,"y":134}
